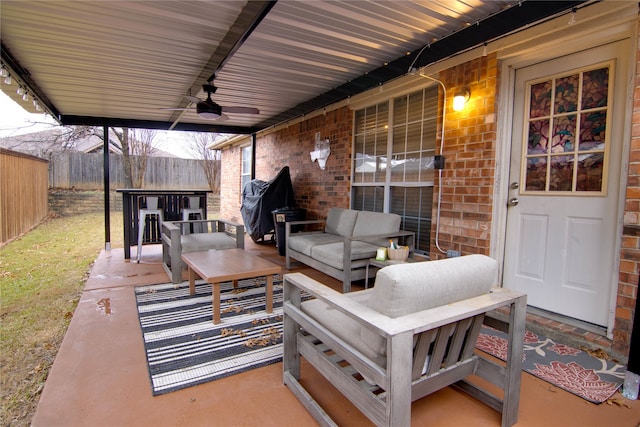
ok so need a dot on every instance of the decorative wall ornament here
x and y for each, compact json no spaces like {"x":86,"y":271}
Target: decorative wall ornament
{"x":321,"y":151}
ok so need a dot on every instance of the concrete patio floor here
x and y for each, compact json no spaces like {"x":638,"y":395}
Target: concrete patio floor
{"x":100,"y":375}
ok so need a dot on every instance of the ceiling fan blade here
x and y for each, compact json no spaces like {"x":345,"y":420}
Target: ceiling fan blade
{"x":193,"y":99}
{"x":177,"y":109}
{"x":241,"y":110}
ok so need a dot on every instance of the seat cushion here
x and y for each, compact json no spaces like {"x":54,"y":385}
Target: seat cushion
{"x":305,"y":242}
{"x":204,"y":241}
{"x":342,"y":325}
{"x":331,"y":254}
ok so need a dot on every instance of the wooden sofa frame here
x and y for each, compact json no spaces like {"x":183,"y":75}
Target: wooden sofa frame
{"x":172,"y":232}
{"x":445,"y":334}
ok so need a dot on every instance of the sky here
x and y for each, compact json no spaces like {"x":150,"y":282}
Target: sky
{"x":15,"y":120}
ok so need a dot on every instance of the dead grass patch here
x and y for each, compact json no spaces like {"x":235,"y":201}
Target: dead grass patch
{"x":42,"y":275}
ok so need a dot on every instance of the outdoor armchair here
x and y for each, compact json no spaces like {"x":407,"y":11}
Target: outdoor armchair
{"x":180,"y":237}
{"x":413,"y":334}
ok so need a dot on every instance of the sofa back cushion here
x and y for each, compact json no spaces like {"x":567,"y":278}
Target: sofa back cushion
{"x":371,"y":223}
{"x":340,"y":221}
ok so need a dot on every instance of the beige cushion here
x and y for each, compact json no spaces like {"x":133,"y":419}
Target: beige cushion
{"x":407,"y":288}
{"x":342,"y":325}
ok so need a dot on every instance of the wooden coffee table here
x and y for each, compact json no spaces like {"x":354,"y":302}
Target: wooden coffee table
{"x":228,"y":265}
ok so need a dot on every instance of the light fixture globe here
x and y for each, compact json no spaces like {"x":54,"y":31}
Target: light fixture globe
{"x":209,"y":109}
{"x":460,"y":100}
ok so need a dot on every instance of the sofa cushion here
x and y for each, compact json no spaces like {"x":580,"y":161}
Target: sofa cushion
{"x":340,"y":221}
{"x":205,"y":241}
{"x":371,"y":223}
{"x":331,"y":254}
{"x":408,"y":288}
{"x":305,"y":242}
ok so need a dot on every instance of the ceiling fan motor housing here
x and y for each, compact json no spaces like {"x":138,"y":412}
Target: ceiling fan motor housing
{"x":208,"y":109}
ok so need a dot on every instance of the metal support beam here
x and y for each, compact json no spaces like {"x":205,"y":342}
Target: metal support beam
{"x":254,"y":145}
{"x":107,"y":177}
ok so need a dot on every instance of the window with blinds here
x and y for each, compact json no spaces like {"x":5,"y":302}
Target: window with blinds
{"x":394,"y":149}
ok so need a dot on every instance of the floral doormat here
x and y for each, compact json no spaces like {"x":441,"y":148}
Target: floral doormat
{"x":571,"y":369}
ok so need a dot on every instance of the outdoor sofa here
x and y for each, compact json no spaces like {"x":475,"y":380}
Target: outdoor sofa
{"x":412,"y":334}
{"x":179,"y":237}
{"x":349,"y":239}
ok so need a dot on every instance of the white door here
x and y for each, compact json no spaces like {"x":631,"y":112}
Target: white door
{"x":564,"y":178}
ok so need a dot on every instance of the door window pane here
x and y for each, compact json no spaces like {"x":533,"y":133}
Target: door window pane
{"x":566,"y":145}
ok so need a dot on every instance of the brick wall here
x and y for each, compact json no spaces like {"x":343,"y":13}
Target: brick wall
{"x":68,"y":202}
{"x":315,"y":190}
{"x":630,"y":252}
{"x":469,"y":149}
{"x":468,"y":179}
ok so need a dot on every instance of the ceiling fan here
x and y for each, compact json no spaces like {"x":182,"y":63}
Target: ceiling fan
{"x":208,"y":109}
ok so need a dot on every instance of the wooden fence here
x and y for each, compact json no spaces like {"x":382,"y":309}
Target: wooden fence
{"x":80,"y":171}
{"x":23,"y":193}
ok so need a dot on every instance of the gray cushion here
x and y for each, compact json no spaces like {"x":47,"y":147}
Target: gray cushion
{"x":370,"y":223}
{"x":331,"y":254}
{"x":204,"y":241}
{"x":340,"y":221}
{"x":303,"y":243}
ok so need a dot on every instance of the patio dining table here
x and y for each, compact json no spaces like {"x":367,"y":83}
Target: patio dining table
{"x":170,"y":202}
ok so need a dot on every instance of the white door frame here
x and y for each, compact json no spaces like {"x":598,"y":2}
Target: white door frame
{"x":533,"y":52}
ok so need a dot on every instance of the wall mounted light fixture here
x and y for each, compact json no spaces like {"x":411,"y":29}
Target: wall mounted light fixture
{"x":460,"y":100}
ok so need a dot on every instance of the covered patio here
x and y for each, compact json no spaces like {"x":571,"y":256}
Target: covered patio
{"x":286,"y":72}
{"x":100,"y":375}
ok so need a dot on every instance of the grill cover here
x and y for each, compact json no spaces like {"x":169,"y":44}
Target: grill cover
{"x":260,"y":198}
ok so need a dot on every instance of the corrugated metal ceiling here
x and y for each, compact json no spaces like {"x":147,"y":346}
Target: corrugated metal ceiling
{"x":121,"y":62}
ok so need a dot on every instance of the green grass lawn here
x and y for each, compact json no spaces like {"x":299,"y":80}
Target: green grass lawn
{"x":41,"y":278}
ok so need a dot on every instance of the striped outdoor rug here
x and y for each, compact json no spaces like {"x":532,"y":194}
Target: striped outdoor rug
{"x":185,"y":348}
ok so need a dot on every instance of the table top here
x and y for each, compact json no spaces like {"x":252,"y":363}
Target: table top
{"x":229,"y":264}
{"x":387,"y":262}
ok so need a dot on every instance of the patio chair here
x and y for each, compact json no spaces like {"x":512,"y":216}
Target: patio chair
{"x":145,"y":215}
{"x":180,"y":237}
{"x":413,"y":334}
{"x":191,"y":209}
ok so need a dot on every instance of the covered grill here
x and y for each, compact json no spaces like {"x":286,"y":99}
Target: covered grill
{"x":260,"y":199}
